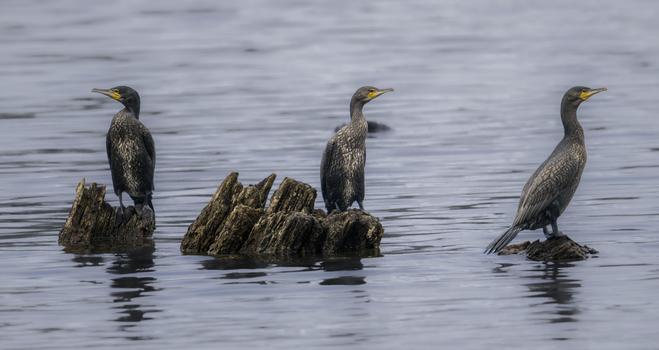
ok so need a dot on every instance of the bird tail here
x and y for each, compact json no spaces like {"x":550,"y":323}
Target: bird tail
{"x":502,"y":240}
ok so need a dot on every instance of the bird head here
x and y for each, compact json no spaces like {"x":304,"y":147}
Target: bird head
{"x":368,"y":93}
{"x":124,"y":94}
{"x":578,"y":94}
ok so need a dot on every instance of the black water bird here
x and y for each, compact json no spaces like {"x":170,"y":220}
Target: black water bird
{"x":131,"y":151}
{"x":549,"y":190}
{"x":342,"y":165}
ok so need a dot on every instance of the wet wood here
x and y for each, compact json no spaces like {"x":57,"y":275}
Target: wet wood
{"x":555,"y":249}
{"x":288,"y":227}
{"x":215,"y":222}
{"x":352,"y":230}
{"x":92,"y":224}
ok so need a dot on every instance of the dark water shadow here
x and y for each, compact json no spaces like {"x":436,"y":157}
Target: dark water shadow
{"x":139,"y":260}
{"x":344,"y":281}
{"x":17,"y":115}
{"x":230,"y":263}
{"x":553,"y":285}
{"x":126,"y":285}
{"x":343,"y":264}
{"x":233,"y":263}
{"x":550,"y":285}
{"x":88,"y":260}
{"x":129,"y":287}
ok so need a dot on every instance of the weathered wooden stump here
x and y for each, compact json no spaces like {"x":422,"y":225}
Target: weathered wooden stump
{"x":353,"y":230}
{"x":92,"y":224}
{"x":555,"y":249}
{"x":236,"y":222}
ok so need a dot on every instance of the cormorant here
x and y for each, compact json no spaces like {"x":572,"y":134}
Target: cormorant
{"x":342,"y":165}
{"x":550,"y":189}
{"x":131,"y":151}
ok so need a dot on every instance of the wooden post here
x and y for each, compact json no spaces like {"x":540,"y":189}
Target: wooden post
{"x":235,"y":221}
{"x":92,"y":226}
{"x":555,"y":249}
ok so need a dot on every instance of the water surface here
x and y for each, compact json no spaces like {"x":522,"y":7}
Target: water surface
{"x":258,"y":86}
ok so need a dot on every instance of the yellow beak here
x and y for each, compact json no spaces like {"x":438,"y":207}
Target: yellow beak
{"x":374,"y":94}
{"x":587,"y":94}
{"x":109,"y":93}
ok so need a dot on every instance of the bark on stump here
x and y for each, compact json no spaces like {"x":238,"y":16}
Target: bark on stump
{"x":218,"y":226}
{"x":235,"y":221}
{"x":92,"y":226}
{"x":352,"y":230}
{"x":555,"y":249}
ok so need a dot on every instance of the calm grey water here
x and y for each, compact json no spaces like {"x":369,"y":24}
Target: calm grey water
{"x":258,"y":87}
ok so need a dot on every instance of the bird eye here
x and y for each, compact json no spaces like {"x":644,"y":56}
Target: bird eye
{"x":371,"y":90}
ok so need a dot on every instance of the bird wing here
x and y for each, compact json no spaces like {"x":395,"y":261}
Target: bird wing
{"x":150,"y":147}
{"x":359,"y":182}
{"x":149,"y":144}
{"x":108,"y":148}
{"x":329,"y":173}
{"x":117,"y":179}
{"x":548,"y":182}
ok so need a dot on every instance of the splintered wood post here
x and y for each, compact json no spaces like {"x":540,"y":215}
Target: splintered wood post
{"x":92,"y":224}
{"x":218,"y":223}
{"x":288,"y":228}
{"x":235,"y":221}
{"x":292,"y":196}
{"x":554,"y":249}
{"x":352,"y":230}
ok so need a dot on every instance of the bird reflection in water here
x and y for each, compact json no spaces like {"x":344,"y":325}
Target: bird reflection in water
{"x":556,"y":288}
{"x":233,"y":263}
{"x":131,"y":287}
{"x":343,"y":264}
{"x":87,"y":260}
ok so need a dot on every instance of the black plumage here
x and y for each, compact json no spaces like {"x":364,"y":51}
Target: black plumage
{"x":131,"y":151}
{"x":342,"y":164}
{"x":549,"y":190}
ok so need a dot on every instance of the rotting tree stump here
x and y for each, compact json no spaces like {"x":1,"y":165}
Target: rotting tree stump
{"x":555,"y":249}
{"x":92,"y":224}
{"x":236,"y":222}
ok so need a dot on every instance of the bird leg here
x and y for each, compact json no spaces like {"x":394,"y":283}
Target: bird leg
{"x":361,"y":206}
{"x":139,"y":208}
{"x":139,"y":204}
{"x":546,"y":232}
{"x":120,"y":211}
{"x":555,"y":233}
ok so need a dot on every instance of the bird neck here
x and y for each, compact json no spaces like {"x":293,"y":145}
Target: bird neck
{"x":356,"y":114}
{"x":571,"y":124}
{"x":133,"y":105}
